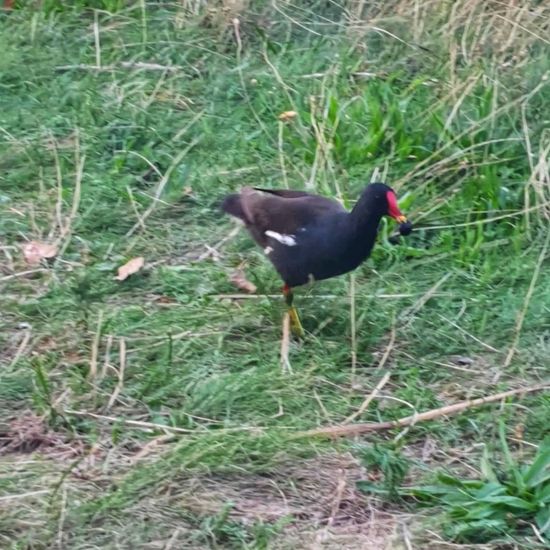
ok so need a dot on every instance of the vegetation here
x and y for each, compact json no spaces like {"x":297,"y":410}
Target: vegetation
{"x":153,"y":412}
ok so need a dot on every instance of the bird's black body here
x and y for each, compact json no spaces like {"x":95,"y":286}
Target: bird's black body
{"x":308,"y":237}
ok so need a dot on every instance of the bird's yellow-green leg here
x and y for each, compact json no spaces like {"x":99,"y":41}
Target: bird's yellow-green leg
{"x":295,"y":324}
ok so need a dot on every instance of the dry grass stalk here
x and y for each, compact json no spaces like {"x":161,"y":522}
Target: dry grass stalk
{"x":95,"y":347}
{"x":214,"y":250}
{"x":285,"y":344}
{"x":107,"y":356}
{"x":280,"y":148}
{"x":353,"y":322}
{"x":426,"y":165}
{"x":357,"y":429}
{"x":489,"y":220}
{"x":21,"y":349}
{"x":521,"y":316}
{"x":121,"y":368}
{"x":469,"y":334}
{"x":161,"y":185}
{"x":130,"y":65}
{"x":97,"y":43}
{"x":22,"y":274}
{"x":364,"y":406}
{"x":152,"y":426}
{"x":315,"y":296}
{"x":408,"y":314}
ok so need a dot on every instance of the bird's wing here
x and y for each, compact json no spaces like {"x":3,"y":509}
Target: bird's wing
{"x":285,"y":193}
{"x":273,"y":211}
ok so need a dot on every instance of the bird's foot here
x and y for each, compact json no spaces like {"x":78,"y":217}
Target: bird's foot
{"x":295,"y":324}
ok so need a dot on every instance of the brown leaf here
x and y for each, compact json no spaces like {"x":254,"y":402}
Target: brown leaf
{"x":129,"y":268}
{"x":35,"y":252}
{"x":519,"y":430}
{"x":288,"y":115}
{"x":240,"y":281}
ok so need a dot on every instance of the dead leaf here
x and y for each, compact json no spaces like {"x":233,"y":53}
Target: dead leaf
{"x":129,"y":268}
{"x":519,"y":430}
{"x":241,"y":282}
{"x":287,"y":115}
{"x":35,"y":252}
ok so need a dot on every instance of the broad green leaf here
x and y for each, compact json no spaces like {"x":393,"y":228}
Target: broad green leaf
{"x":539,"y":471}
{"x":489,"y":489}
{"x":543,"y":520}
{"x":510,"y":463}
{"x":543,"y":494}
{"x":486,"y":468}
{"x":514,"y":502}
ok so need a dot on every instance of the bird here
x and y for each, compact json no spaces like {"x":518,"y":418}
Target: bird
{"x":309,"y":237}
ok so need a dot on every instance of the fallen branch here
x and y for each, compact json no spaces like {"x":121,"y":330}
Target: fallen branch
{"x":356,"y":429}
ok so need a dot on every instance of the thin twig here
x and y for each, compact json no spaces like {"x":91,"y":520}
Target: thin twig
{"x":364,"y":406}
{"x":356,"y":429}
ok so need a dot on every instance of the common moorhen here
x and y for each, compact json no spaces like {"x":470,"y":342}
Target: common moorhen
{"x":308,"y":237}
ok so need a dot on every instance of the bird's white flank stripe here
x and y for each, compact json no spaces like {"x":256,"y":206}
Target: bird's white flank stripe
{"x":287,"y":240}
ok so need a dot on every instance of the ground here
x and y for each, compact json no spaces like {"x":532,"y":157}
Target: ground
{"x":156,"y":411}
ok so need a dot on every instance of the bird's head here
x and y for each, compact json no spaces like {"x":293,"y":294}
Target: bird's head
{"x":386,"y":197}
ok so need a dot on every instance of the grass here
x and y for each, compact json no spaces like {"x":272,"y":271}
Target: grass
{"x":121,"y":133}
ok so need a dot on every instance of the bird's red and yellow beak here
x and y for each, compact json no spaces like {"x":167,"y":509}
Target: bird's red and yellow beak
{"x":393,"y":209}
{"x":405,"y":226}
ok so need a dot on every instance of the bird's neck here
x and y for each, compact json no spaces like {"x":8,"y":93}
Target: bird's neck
{"x":365,"y":219}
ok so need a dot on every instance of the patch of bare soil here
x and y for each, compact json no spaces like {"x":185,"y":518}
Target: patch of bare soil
{"x":319,"y":497}
{"x":28,"y":433}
